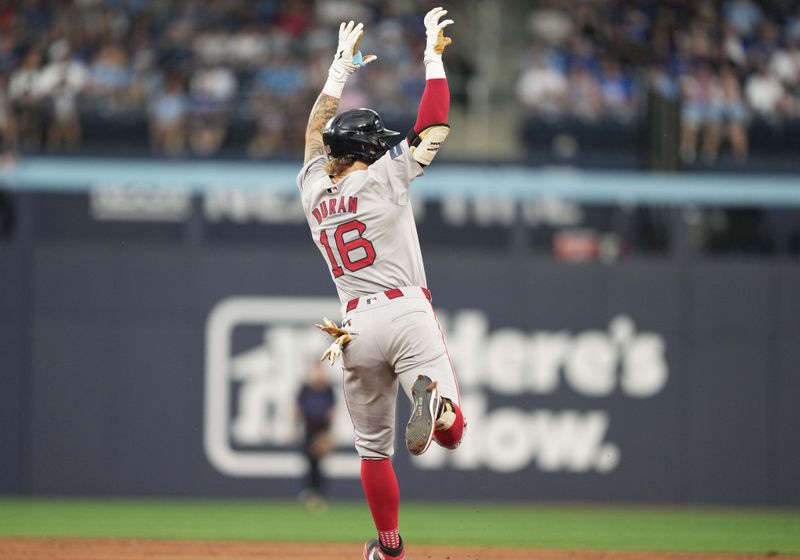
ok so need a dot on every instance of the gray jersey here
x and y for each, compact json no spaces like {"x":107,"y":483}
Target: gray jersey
{"x":363,"y":225}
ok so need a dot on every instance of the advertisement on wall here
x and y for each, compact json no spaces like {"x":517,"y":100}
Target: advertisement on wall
{"x":163,"y":357}
{"x":258,"y":350}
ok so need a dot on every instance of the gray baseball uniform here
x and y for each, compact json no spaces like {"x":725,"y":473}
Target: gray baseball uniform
{"x":365,"y":229}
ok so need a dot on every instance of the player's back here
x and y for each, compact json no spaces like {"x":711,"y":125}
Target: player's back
{"x":364,"y":225}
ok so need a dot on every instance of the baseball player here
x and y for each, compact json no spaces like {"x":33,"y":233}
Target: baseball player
{"x":355,"y":190}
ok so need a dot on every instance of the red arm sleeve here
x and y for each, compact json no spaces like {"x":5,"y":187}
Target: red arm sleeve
{"x":435,"y":104}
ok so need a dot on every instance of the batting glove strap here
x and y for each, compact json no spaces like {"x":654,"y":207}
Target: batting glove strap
{"x":434,"y":69}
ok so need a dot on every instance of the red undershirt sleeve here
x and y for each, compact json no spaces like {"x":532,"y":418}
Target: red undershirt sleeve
{"x":435,"y":105}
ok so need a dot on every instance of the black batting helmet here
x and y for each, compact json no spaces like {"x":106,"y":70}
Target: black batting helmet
{"x":359,"y":133}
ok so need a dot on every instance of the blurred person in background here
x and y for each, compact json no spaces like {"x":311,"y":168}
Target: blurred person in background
{"x":785,"y":63}
{"x":766,"y":94}
{"x":109,"y":80}
{"x":64,"y":130}
{"x":617,"y":91}
{"x":212,"y":90}
{"x":734,"y":112}
{"x":271,"y":124}
{"x":793,"y":25}
{"x":733,"y":48}
{"x":168,"y":118}
{"x":585,"y":94}
{"x":284,"y":77}
{"x":316,"y":407}
{"x":8,"y":126}
{"x":25,"y":96}
{"x":542,"y":89}
{"x":62,"y":82}
{"x":700,"y":114}
{"x":743,"y":15}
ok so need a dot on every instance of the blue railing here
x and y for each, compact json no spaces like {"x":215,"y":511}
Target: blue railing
{"x":609,"y":187}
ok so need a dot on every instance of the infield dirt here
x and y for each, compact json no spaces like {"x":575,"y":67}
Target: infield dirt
{"x":124,"y":549}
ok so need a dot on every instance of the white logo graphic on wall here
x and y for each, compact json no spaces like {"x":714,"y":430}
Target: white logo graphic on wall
{"x":257,"y":353}
{"x":259,"y":348}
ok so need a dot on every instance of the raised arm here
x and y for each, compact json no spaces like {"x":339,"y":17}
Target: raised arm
{"x":324,"y":108}
{"x":347,"y":60}
{"x":431,"y":127}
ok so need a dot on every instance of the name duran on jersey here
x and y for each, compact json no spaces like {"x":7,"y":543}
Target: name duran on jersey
{"x":335,"y":206}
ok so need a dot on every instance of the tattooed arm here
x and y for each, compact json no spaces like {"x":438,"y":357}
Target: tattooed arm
{"x":324,"y":108}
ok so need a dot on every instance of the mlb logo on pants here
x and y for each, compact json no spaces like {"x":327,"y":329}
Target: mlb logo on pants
{"x":371,"y":300}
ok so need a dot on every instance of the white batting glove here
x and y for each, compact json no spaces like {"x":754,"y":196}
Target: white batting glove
{"x":347,"y":59}
{"x":434,"y":34}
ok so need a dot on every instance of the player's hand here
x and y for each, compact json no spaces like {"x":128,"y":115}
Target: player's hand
{"x":348,"y":58}
{"x":342,"y":339}
{"x":434,"y":33}
{"x":331,"y":328}
{"x":335,"y":349}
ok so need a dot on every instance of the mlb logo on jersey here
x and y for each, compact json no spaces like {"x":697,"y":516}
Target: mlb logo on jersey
{"x":371,"y":300}
{"x":396,"y":151}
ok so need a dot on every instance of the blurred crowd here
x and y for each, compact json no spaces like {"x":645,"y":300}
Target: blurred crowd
{"x":191,"y":69}
{"x":191,"y":75}
{"x":728,"y":64}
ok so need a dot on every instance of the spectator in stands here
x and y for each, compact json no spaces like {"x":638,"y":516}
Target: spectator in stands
{"x":25,"y":95}
{"x":271,"y":124}
{"x":8,"y":126}
{"x":550,"y":23}
{"x":700,"y":114}
{"x":793,"y":25}
{"x":784,"y":63}
{"x":733,"y":46}
{"x":585,"y":94}
{"x":283,"y":76}
{"x":542,"y":89}
{"x":212,"y":90}
{"x":617,"y":91}
{"x":743,"y":15}
{"x":734,"y":112}
{"x":64,"y":131}
{"x":109,"y":79}
{"x":168,"y":118}
{"x":62,"y":82}
{"x":766,"y":94}
{"x":767,"y":42}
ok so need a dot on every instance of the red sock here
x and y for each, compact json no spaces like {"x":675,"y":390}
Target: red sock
{"x":451,"y":437}
{"x":383,"y":497}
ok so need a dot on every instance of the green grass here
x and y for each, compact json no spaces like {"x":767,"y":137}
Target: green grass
{"x":572,"y":527}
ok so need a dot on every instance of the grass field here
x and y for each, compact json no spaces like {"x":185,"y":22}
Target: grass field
{"x":536,"y":526}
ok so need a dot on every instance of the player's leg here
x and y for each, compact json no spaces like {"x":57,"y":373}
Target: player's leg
{"x":370,"y":389}
{"x":423,"y":366}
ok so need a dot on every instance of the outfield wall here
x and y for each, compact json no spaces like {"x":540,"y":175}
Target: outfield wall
{"x":161,"y":356}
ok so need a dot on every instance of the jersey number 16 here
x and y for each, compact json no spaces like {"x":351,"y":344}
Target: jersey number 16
{"x":345,"y":248}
